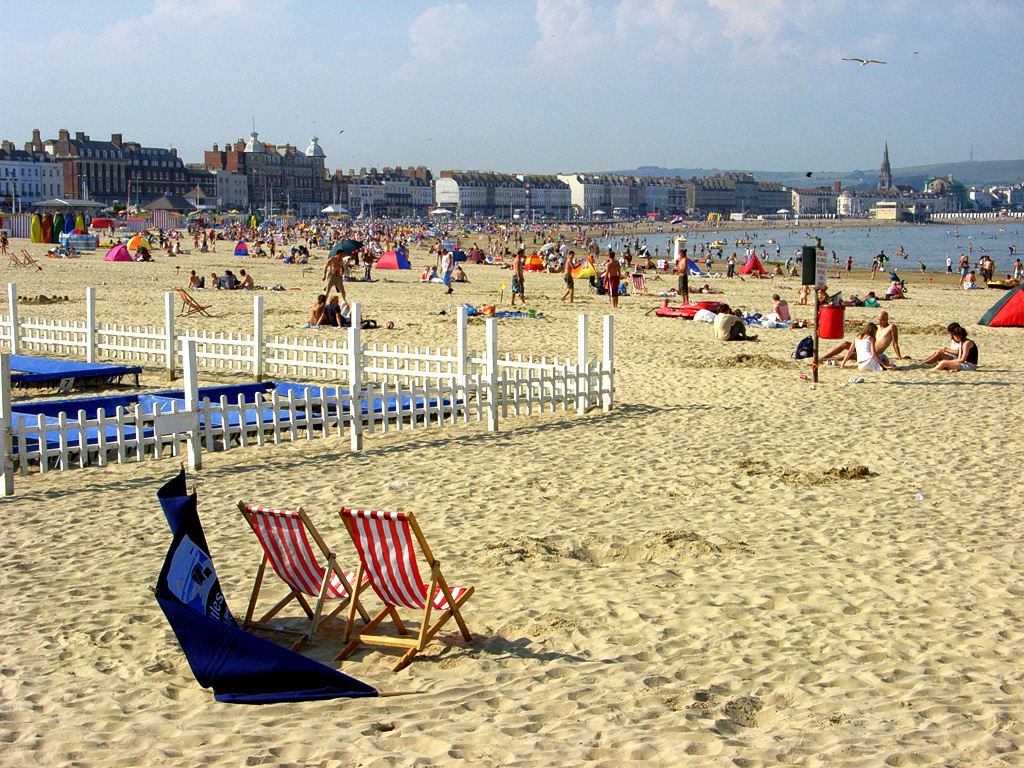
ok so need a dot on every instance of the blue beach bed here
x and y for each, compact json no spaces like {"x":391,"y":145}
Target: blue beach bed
{"x":27,"y":370}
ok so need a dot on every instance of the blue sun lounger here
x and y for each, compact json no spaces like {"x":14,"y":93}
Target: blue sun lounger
{"x":52,"y":409}
{"x":283,"y":388}
{"x":27,"y":370}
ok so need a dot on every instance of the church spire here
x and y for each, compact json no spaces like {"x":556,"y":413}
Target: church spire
{"x":885,"y":175}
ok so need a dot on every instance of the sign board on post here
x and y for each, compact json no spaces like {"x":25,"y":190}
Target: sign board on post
{"x":820,"y":268}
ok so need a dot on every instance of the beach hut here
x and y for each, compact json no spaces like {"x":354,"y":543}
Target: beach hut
{"x":1008,"y":312}
{"x":241,"y":249}
{"x":118,"y":253}
{"x":393,"y":260}
{"x":534,"y":263}
{"x":753,"y":265}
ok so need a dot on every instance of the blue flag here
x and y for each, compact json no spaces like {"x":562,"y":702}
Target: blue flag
{"x":240,"y":667}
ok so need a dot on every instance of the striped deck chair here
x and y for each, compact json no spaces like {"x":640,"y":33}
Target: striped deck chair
{"x":286,"y":546}
{"x":190,"y":306}
{"x":639,"y":283}
{"x":28,"y":261}
{"x":387,"y":556}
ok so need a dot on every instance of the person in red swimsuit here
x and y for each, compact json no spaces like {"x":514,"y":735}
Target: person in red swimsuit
{"x":613,"y":275}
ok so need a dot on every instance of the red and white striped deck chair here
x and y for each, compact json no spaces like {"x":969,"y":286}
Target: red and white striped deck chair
{"x":28,"y":261}
{"x":286,"y":546}
{"x":387,"y":556}
{"x":639,"y":283}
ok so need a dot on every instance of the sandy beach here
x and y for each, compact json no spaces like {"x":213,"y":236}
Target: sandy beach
{"x":691,"y":579}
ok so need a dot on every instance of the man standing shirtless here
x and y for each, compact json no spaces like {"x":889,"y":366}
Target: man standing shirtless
{"x":334,"y":274}
{"x":613,"y":275}
{"x":518,"y":285}
{"x":886,"y":335}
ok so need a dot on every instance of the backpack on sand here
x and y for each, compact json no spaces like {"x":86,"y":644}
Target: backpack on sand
{"x":805,"y":348}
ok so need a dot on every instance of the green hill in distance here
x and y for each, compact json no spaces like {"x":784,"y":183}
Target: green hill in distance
{"x":976,"y":173}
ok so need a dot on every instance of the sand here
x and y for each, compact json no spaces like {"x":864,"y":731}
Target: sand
{"x":729,"y":568}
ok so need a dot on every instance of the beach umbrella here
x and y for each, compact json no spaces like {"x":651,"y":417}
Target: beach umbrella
{"x":347,"y":247}
{"x":547,"y":247}
{"x":138,"y":242}
{"x":241,"y":249}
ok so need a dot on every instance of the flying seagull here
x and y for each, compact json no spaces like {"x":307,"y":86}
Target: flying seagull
{"x":865,"y":62}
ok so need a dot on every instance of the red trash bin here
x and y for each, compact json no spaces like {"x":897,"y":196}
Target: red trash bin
{"x":830,"y":321}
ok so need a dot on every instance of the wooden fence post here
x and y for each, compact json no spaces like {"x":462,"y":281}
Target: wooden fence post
{"x":12,"y":313}
{"x":462,"y":344}
{"x":6,"y":423}
{"x":90,"y":324}
{"x":492,"y":374}
{"x":172,"y":342}
{"x":257,"y":333}
{"x":355,"y":378}
{"x":195,"y":441}
{"x":608,"y":365}
{"x":582,"y":366}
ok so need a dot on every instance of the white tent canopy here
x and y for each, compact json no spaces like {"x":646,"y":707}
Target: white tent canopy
{"x":440,"y":212}
{"x":335,"y":209}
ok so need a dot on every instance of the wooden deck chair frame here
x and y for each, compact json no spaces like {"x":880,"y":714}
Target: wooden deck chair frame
{"x":28,"y":261}
{"x":438,"y":591}
{"x":189,"y":306}
{"x":316,"y":615}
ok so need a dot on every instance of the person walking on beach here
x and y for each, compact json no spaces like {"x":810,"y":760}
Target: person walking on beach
{"x":518,"y":286}
{"x":570,"y":287}
{"x":949,"y":264}
{"x":683,"y":270}
{"x":613,"y":276}
{"x":849,"y":265}
{"x":447,"y":263}
{"x":334,"y":274}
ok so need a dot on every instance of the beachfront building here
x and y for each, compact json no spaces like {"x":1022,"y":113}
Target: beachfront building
{"x":393,"y":192}
{"x":895,"y":205}
{"x":27,"y":177}
{"x":724,"y":194}
{"x":772,"y":197}
{"x":116,"y":170}
{"x":663,"y":195}
{"x":1010,"y":196}
{"x":820,"y":201}
{"x":152,"y":171}
{"x":93,"y":170}
{"x":222,"y":190}
{"x":605,"y":194}
{"x":481,"y":193}
{"x":546,"y":195}
{"x":279,"y":179}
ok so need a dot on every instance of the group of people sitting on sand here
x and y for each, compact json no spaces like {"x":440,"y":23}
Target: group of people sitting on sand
{"x":333,"y":312}
{"x":226,"y":282}
{"x":870,"y":344}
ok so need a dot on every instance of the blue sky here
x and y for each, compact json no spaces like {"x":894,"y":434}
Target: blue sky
{"x":546,"y":86}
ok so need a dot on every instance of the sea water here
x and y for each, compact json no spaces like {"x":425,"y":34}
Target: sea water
{"x":928,"y":243}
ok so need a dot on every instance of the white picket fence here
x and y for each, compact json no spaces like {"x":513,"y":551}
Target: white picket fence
{"x":414,"y":389}
{"x":318,"y":358}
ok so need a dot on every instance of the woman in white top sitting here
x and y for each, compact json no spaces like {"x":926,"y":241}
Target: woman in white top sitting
{"x":867,"y":358}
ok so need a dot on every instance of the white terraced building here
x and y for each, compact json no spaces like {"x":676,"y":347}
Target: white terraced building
{"x":27,"y":177}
